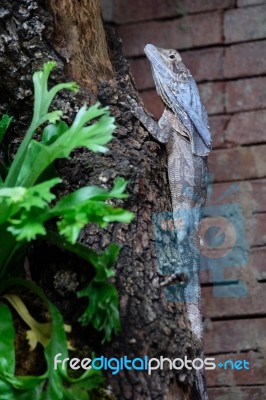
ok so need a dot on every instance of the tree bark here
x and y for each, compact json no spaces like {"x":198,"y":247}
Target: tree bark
{"x":71,"y":32}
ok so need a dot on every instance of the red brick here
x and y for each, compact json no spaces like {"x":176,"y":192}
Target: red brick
{"x":257,"y":261}
{"x":205,"y":65}
{"x":245,"y":94}
{"x":141,"y":10}
{"x":212,"y":94}
{"x":224,"y":307}
{"x":193,"y":6}
{"x":224,"y":193}
{"x":207,"y":276}
{"x":245,"y":24}
{"x":243,"y":3}
{"x":254,"y":376}
{"x":122,"y":12}
{"x":258,"y":233}
{"x":247,"y":59}
{"x":234,"y":335}
{"x":182,"y":33}
{"x":256,"y":229}
{"x":153,"y":103}
{"x":142,"y":74}
{"x":217,"y":127}
{"x":250,"y":194}
{"x":258,"y":192}
{"x":237,"y":393}
{"x":238,"y":163}
{"x":247,"y":128}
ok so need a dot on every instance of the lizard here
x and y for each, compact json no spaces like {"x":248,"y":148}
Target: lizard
{"x":184,"y":128}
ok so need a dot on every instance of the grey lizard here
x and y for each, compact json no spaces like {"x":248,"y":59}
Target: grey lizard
{"x":184,"y":129}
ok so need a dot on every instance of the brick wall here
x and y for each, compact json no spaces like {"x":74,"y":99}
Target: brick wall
{"x":223,"y":43}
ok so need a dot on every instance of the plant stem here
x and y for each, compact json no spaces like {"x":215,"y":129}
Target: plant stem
{"x":20,"y":155}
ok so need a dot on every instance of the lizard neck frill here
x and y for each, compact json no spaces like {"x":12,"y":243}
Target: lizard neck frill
{"x":161,"y":89}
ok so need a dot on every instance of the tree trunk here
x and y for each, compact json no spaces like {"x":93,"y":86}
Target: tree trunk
{"x":71,"y":32}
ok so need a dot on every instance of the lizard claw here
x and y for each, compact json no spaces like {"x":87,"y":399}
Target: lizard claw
{"x":130,"y":104}
{"x":126,"y":105}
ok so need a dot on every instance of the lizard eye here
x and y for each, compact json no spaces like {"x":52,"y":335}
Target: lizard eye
{"x":172,"y":56}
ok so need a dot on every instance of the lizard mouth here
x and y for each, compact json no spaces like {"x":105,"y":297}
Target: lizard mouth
{"x":148,"y":48}
{"x":151,"y":53}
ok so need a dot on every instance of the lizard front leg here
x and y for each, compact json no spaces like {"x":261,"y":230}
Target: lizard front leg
{"x":160,"y":130}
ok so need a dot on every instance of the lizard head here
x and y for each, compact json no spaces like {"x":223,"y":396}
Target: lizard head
{"x":165,"y":64}
{"x":169,"y":58}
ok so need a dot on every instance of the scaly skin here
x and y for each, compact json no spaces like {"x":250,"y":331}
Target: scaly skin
{"x":184,"y":129}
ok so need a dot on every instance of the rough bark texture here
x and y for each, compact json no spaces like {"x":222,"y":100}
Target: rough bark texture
{"x":151,"y":325}
{"x":80,"y":38}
